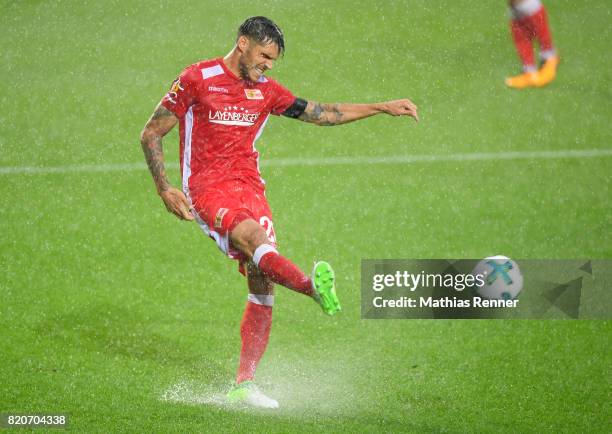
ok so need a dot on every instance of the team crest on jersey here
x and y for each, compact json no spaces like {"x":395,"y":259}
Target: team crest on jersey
{"x":219,"y":217}
{"x":174,"y":89}
{"x":253,"y":94}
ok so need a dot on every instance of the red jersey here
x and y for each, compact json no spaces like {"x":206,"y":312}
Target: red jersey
{"x":220,"y":118}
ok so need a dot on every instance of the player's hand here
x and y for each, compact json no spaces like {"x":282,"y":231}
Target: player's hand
{"x":401,"y":107}
{"x":176,"y":203}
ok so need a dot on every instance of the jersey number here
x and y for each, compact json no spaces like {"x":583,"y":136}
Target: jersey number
{"x":267,"y":224}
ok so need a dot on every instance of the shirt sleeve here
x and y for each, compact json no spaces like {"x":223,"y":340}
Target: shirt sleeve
{"x":283,"y":98}
{"x":181,"y":94}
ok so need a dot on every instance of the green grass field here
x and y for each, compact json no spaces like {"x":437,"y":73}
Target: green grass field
{"x":116,"y":313}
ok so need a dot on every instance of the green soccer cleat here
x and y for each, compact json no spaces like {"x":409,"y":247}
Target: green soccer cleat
{"x":324,"y":289}
{"x":248,"y":393}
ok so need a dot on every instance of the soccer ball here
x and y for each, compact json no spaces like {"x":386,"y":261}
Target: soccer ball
{"x":502,"y":278}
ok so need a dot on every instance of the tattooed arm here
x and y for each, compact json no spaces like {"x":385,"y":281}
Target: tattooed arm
{"x":336,"y":114}
{"x":161,"y":122}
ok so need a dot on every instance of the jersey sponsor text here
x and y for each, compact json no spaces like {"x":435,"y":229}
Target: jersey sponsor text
{"x":238,"y":116}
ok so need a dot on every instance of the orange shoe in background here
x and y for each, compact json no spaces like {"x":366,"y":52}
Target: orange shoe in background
{"x":548,"y":71}
{"x":526,"y":79}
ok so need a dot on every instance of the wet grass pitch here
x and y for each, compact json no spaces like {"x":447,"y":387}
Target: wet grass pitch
{"x":116,"y":313}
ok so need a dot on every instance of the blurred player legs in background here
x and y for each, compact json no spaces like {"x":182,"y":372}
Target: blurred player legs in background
{"x":529,"y":21}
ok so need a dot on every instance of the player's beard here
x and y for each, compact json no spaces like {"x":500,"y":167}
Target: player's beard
{"x":245,"y":69}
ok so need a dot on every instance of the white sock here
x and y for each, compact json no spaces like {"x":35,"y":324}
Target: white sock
{"x":529,"y":68}
{"x":547,"y":54}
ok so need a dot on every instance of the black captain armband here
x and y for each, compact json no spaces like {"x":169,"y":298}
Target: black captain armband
{"x":296,"y":109}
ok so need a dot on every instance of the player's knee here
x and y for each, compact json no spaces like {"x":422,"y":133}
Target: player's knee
{"x":247,"y":236}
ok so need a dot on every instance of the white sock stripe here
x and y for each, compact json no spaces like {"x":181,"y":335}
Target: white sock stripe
{"x":547,"y":54}
{"x":261,"y":251}
{"x":529,"y":68}
{"x":262,"y":299}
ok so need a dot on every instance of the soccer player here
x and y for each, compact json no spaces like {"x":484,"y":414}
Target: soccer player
{"x":221,"y":106}
{"x":529,"y":21}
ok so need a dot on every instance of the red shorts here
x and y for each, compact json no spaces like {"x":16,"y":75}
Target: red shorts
{"x":219,"y":210}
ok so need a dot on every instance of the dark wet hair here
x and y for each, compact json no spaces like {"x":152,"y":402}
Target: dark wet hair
{"x":264,"y":31}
